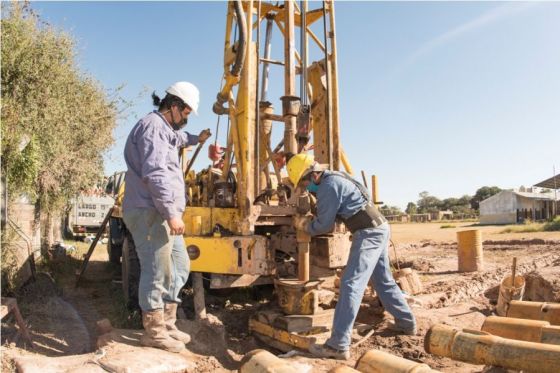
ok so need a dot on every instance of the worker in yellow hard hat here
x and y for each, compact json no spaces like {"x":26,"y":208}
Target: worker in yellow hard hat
{"x":340,"y":196}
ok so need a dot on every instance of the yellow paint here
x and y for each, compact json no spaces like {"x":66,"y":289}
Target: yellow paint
{"x":283,"y":336}
{"x":206,"y":218}
{"x":469,"y":248}
{"x":232,"y":255}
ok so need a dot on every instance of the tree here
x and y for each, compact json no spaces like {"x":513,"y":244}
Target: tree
{"x":483,"y":193}
{"x":390,"y":210}
{"x":411,"y":208}
{"x":66,"y":115}
{"x":428,"y":203}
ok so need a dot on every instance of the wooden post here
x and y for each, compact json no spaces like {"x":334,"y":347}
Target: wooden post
{"x":199,"y":302}
{"x":374,"y":189}
{"x":81,"y":271}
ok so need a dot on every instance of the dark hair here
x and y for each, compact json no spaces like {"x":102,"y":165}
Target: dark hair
{"x":168,"y":101}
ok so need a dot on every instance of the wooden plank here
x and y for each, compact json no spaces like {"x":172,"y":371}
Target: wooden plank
{"x":297,"y":341}
{"x":305,"y":323}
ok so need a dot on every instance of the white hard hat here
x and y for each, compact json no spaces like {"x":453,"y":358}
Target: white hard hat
{"x":187,"y":92}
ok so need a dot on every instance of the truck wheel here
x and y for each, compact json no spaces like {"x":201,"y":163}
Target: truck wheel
{"x":130,"y":273}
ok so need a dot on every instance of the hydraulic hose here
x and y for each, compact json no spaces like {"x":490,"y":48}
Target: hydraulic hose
{"x":233,"y":76}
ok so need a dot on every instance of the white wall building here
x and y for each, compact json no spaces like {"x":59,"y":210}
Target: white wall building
{"x":511,"y":207}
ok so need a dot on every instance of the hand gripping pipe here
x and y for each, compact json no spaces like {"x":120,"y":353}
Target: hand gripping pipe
{"x":477,"y":347}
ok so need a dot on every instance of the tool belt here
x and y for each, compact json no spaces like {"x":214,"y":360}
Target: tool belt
{"x":368,"y":217}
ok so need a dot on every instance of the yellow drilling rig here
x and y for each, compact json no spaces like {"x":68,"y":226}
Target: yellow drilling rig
{"x":239,"y":227}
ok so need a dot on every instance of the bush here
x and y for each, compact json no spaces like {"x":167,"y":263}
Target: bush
{"x":447,"y":226}
{"x":553,"y":225}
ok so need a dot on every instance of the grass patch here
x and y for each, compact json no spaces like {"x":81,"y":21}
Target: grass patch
{"x":448,"y":226}
{"x":527,"y":227}
{"x":553,"y":225}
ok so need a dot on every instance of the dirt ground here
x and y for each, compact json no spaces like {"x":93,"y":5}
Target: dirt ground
{"x":62,"y":317}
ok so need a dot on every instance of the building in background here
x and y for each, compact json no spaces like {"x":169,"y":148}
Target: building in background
{"x":517,"y":206}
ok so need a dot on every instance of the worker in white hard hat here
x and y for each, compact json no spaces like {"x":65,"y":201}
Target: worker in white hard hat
{"x":340,"y":196}
{"x":153,"y":207}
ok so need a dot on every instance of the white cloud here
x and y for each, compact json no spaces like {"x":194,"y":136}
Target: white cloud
{"x":493,"y":15}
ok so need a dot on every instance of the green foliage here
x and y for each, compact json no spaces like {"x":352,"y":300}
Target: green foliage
{"x":9,"y":261}
{"x":553,"y":225}
{"x":411,"y":208}
{"x":67,"y":116}
{"x":427,"y":203}
{"x":390,"y":210}
{"x":483,"y":193}
{"x":447,"y":226}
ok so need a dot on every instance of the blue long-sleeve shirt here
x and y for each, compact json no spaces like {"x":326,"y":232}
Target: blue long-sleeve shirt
{"x":335,"y":196}
{"x":154,"y":178}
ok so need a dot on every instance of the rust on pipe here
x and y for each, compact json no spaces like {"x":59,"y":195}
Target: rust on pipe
{"x":262,"y":361}
{"x":477,"y":347}
{"x":535,"y":311}
{"x":522,"y":329}
{"x":375,"y":361}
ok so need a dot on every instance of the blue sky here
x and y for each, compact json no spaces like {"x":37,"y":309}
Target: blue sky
{"x":445,"y":97}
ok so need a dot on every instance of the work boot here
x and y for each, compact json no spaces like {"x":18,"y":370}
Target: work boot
{"x":170,"y":316}
{"x":403,"y":330}
{"x":327,"y":351}
{"x":155,"y":333}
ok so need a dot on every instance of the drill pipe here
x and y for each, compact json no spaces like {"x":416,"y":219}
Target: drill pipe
{"x":522,"y":330}
{"x":477,"y":347}
{"x":535,"y":311}
{"x":262,"y":361}
{"x":375,"y":361}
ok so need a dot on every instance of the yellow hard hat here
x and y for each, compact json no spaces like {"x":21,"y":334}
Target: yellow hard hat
{"x":298,"y":166}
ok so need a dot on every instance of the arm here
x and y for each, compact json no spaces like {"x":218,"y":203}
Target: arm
{"x":328,"y":203}
{"x":186,"y":139}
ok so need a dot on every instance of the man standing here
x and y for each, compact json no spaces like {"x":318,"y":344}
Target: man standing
{"x":153,"y":207}
{"x":338,"y":195}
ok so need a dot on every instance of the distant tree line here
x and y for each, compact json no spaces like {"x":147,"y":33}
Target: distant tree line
{"x":428,"y":204}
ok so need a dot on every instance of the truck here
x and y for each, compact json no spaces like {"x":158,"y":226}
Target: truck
{"x":87,"y":213}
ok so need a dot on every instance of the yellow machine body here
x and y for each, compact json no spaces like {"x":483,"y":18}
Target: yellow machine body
{"x":240,"y":213}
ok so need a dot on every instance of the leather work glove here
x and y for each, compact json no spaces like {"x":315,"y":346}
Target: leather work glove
{"x":301,"y":222}
{"x":204,"y":135}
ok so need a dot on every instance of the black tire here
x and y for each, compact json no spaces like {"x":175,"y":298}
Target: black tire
{"x":115,"y":240}
{"x":130,"y":272}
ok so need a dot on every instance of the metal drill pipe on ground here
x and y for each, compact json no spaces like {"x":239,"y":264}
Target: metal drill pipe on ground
{"x":535,"y":311}
{"x":262,"y":361}
{"x":522,"y":329}
{"x":477,"y":347}
{"x":376,"y":361}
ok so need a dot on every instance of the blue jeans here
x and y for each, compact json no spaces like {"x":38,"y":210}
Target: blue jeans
{"x":368,"y":259}
{"x":164,"y":263}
